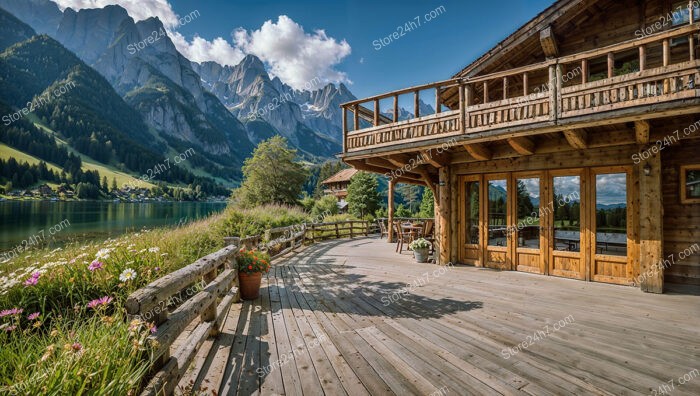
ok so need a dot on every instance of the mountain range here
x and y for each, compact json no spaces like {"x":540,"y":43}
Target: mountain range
{"x":172,"y":104}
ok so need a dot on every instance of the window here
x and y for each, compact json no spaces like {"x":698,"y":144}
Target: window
{"x":497,"y":198}
{"x":472,"y":212}
{"x":680,"y":15}
{"x":528,"y":201}
{"x":611,"y":214}
{"x":690,"y":184}
{"x":567,"y":213}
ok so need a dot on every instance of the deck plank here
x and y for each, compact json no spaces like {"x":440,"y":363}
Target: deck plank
{"x":448,"y":333}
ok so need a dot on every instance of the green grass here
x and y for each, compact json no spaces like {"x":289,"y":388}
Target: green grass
{"x":7,"y":152}
{"x":37,"y":356}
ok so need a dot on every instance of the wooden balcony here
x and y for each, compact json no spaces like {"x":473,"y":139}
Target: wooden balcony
{"x":555,"y":95}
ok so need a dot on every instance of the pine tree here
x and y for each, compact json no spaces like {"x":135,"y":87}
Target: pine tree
{"x":363,"y":194}
{"x":114,"y":184}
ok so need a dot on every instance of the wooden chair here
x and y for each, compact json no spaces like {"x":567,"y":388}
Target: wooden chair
{"x":401,"y":237}
{"x":429,"y":233}
{"x":382,"y":229}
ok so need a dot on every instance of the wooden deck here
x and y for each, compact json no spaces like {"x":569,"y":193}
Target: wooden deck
{"x":327,"y":311}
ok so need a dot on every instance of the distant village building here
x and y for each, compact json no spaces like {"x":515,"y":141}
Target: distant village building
{"x":337,"y":185}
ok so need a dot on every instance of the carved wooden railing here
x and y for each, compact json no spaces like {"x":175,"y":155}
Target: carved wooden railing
{"x":217,"y":276}
{"x":551,"y":102}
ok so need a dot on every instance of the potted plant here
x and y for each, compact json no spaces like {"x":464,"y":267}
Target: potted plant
{"x":420,"y":248}
{"x":251,"y":265}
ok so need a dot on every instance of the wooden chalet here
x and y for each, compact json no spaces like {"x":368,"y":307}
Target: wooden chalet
{"x":337,"y":185}
{"x":570,"y":149}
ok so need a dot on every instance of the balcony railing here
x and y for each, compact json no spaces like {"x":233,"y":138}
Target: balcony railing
{"x":562,"y":97}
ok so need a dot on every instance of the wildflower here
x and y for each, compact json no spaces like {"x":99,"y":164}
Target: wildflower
{"x":8,"y":312}
{"x":33,"y":280}
{"x":153,"y":329}
{"x":127,"y":275}
{"x":10,"y":329}
{"x":76,"y":347}
{"x":134,"y":324}
{"x":103,"y":254}
{"x":100,"y":302}
{"x":37,"y":324}
{"x":33,"y":316}
{"x":156,"y":269}
{"x":49,"y":351}
{"x":154,"y":249}
{"x":95,"y":265}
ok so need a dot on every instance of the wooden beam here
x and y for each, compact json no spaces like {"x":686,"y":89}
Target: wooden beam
{"x":438,"y":103}
{"x":642,"y":57}
{"x":396,"y":108}
{"x":416,"y":103}
{"x":611,"y":64}
{"x":577,"y":138}
{"x":427,"y":178}
{"x":439,"y":160}
{"x":486,"y":91}
{"x":356,"y":117}
{"x":382,"y":170}
{"x":376,"y":112}
{"x":641,"y":131}
{"x":443,"y":215}
{"x":505,"y":88}
{"x":666,"y":52}
{"x":462,"y":109}
{"x":651,"y":246}
{"x":390,"y":209}
{"x":526,"y":84}
{"x":479,"y":151}
{"x":523,"y":145}
{"x":584,"y":71}
{"x":549,"y":43}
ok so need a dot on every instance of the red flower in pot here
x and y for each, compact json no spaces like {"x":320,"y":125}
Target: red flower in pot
{"x":251,"y":265}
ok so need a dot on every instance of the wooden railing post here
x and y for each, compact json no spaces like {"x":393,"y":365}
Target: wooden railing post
{"x":468,"y":101}
{"x":642,"y":57}
{"x":552,"y":93}
{"x":337,"y":231}
{"x":584,"y":71}
{"x":376,"y":112}
{"x":526,"y":84}
{"x":438,"y":101}
{"x":352,"y":230}
{"x":345,"y":129}
{"x":611,"y":64}
{"x":667,"y":52}
{"x":390,"y":211}
{"x":462,"y":109}
{"x":557,"y":89}
{"x":416,"y":103}
{"x":396,"y":108}
{"x":505,"y":88}
{"x":356,"y":117}
{"x":486,"y":91}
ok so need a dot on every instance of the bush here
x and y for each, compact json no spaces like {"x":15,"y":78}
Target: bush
{"x":326,"y":206}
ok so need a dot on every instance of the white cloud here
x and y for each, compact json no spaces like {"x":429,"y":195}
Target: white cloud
{"x":296,"y":57}
{"x":293,"y":55}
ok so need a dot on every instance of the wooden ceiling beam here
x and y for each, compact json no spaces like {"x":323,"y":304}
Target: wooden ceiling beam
{"x":428,"y":179}
{"x":382,"y":170}
{"x":641,"y":131}
{"x":577,"y":138}
{"x":479,"y":151}
{"x":522,"y":145}
{"x":549,"y":42}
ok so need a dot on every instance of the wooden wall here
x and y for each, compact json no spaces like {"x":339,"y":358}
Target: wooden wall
{"x":681,"y":221}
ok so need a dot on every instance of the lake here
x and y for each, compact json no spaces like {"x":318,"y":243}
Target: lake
{"x":62,"y":222}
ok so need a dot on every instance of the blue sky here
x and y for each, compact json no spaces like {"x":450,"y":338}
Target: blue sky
{"x":434,"y":51}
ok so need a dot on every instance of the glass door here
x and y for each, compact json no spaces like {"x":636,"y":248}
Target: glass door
{"x":528,"y":225}
{"x":566,"y":224}
{"x":497,"y":222}
{"x":471,"y":220}
{"x":612,"y":226}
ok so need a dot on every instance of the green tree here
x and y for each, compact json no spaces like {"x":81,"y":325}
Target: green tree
{"x":363,"y":194}
{"x":427,"y":204}
{"x":409,"y":194}
{"x":271,"y":175}
{"x":402,"y":211}
{"x":105,"y":186}
{"x":326,"y":206}
{"x":114,"y":184}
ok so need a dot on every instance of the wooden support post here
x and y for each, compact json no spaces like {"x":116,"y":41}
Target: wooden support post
{"x":486,"y":91}
{"x":552,"y":93}
{"x":390,"y":210}
{"x":642,"y":57}
{"x":651,"y":247}
{"x":337,"y":231}
{"x":468,"y":101}
{"x":611,"y":64}
{"x":584,"y":71}
{"x":526,"y":84}
{"x":356,"y":117}
{"x":396,"y":108}
{"x":416,"y":103}
{"x":376,"y":112}
{"x":438,"y":101}
{"x":667,"y":52}
{"x":444,"y":216}
{"x":352,"y":230}
{"x":209,"y":313}
{"x":345,"y":129}
{"x":462,"y":109}
{"x":505,"y":88}
{"x":691,"y":47}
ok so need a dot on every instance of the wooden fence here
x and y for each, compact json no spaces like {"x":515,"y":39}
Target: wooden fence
{"x":206,"y":289}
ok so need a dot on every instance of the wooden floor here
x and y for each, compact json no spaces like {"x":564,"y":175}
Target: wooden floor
{"x":326,"y":324}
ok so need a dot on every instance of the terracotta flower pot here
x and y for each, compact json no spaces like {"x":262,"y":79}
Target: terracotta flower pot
{"x":250,"y":285}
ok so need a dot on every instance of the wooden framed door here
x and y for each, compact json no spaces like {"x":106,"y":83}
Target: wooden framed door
{"x":566,"y":231}
{"x":495,"y":223}
{"x":528,"y":229}
{"x":612,"y":225}
{"x":470,"y":214}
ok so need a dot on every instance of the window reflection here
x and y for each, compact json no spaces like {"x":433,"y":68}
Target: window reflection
{"x":498,"y":196}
